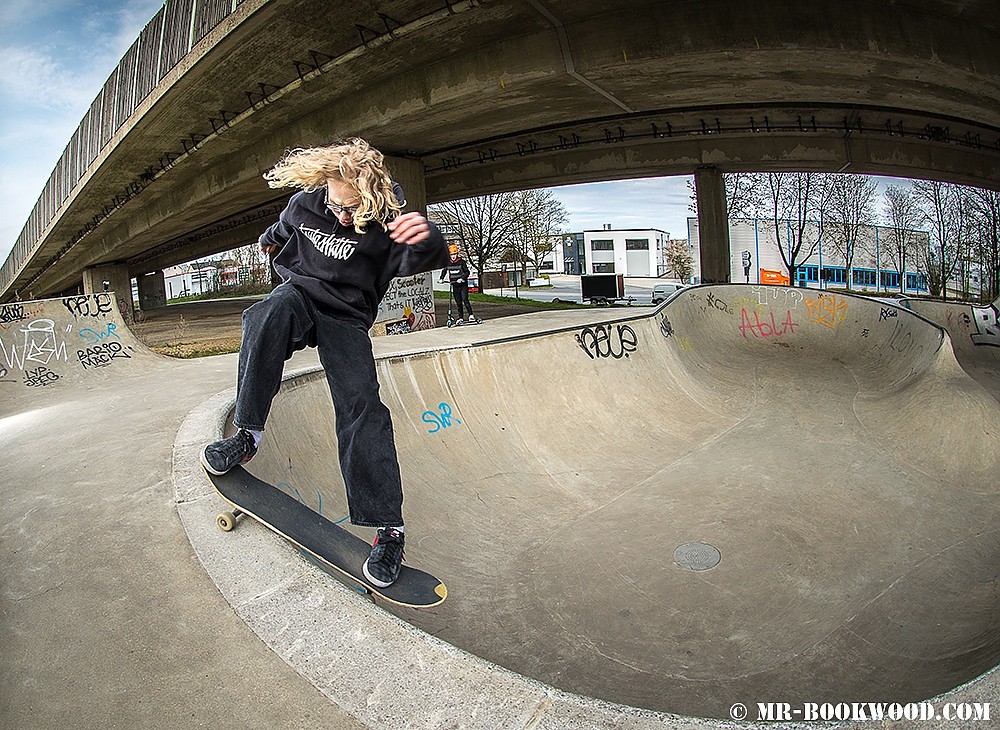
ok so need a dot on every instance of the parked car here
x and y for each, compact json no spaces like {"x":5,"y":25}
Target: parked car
{"x":662,"y":292}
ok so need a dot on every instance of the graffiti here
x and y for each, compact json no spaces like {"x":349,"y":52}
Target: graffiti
{"x":901,"y":339}
{"x":38,"y":345}
{"x":765,"y":329}
{"x":400,"y":327}
{"x":665,"y":328}
{"x":864,"y":332}
{"x":716,"y":303}
{"x":410,"y":298}
{"x":89,"y":305}
{"x":11,"y":313}
{"x":441,"y":420}
{"x":887,"y":312}
{"x":94,"y":337}
{"x":987,"y":321}
{"x":790,"y":298}
{"x":39,"y":377}
{"x":603,"y":340}
{"x":102,"y":355}
{"x":828,"y":311}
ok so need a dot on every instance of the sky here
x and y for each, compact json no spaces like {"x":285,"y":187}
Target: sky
{"x":55,"y":56}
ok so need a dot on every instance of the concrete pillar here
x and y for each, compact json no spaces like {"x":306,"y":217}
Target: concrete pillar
{"x":409,"y":303}
{"x":152,"y":291}
{"x":114,"y":278}
{"x":410,"y":174}
{"x":713,"y":225}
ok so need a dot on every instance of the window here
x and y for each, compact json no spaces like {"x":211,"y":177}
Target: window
{"x":834,"y":275}
{"x":807,"y":273}
{"x":863,"y":277}
{"x":890,"y":280}
{"x":636,"y":244}
{"x":604,"y":268}
{"x":602,"y":245}
{"x":916,"y":281}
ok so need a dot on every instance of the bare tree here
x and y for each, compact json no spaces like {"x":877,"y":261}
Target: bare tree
{"x":746,"y":194}
{"x":253,"y":266}
{"x":481,"y":225}
{"x":903,"y":217}
{"x":985,"y":205}
{"x":795,"y":200}
{"x":849,"y":214}
{"x":943,"y":212}
{"x":539,"y":220}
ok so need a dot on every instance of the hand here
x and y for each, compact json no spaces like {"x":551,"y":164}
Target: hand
{"x":270,"y":248}
{"x":409,"y":228}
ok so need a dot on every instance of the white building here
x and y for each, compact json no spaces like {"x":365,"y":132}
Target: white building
{"x":756,"y":259}
{"x":631,"y":252}
{"x":189,"y":279}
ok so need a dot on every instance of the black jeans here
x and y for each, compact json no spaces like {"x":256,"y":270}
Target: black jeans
{"x":287,"y":321}
{"x":461,"y":291}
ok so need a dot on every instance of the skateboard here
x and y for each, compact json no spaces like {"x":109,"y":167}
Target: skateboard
{"x":332,"y":548}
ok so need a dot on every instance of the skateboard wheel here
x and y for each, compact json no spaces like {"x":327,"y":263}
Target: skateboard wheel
{"x":226,"y":521}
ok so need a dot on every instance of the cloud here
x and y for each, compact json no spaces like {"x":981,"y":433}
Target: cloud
{"x":54,"y":59}
{"x":30,"y":80}
{"x":660,"y":202}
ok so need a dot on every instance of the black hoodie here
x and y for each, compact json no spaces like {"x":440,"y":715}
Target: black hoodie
{"x":345,"y":272}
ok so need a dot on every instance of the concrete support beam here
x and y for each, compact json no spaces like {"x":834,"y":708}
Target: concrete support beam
{"x":114,"y":278}
{"x":152,"y":291}
{"x":410,"y":174}
{"x":713,"y":225}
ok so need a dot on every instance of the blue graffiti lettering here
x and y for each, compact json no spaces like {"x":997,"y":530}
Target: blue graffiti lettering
{"x":444,"y":419}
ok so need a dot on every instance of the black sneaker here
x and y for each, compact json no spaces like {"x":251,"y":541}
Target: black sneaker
{"x":382,"y":567}
{"x":221,"y":456}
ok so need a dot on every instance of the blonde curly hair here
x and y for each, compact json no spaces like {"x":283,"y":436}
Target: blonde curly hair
{"x":352,"y":161}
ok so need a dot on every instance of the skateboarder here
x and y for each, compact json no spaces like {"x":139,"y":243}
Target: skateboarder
{"x":337,"y":245}
{"x":457,"y":272}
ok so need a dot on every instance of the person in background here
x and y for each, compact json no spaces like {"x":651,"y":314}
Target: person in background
{"x":457,"y":272}
{"x":337,"y":245}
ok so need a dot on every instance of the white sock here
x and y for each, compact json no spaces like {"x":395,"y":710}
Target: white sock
{"x":257,"y":436}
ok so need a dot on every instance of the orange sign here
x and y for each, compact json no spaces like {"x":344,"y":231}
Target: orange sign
{"x":767,"y":276}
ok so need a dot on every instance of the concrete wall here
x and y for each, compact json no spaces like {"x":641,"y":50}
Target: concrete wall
{"x":46,"y":344}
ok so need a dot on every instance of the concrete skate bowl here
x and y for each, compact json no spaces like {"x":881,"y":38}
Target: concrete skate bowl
{"x":51,"y":345}
{"x":975,"y":335}
{"x":750,"y":493}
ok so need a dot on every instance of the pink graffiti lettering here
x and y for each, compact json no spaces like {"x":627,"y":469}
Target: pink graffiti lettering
{"x":768,"y":328}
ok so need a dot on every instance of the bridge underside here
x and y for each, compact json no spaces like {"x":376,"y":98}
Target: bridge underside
{"x":492,"y":96}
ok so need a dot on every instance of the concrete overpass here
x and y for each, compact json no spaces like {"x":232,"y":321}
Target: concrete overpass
{"x":474,"y":96}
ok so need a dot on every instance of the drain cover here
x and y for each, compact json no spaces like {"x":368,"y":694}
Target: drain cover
{"x":697,"y":556}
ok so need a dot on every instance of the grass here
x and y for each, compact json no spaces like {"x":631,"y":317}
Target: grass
{"x":516,"y":301}
{"x":182,"y":345}
{"x":188,"y":351}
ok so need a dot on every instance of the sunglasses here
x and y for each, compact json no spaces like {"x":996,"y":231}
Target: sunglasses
{"x":336,"y":209}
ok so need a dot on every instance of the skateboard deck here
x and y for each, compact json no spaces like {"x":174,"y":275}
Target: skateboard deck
{"x":333,"y":548}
